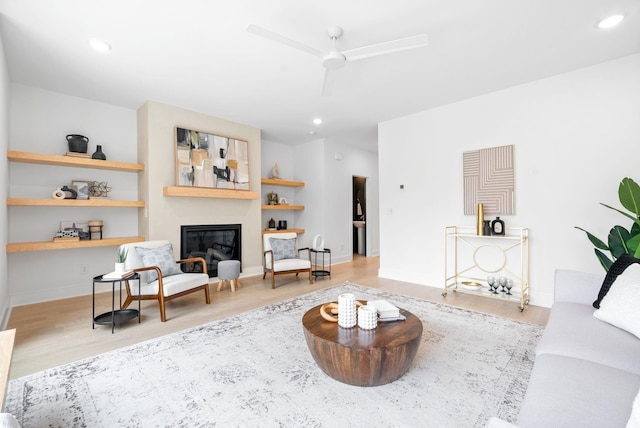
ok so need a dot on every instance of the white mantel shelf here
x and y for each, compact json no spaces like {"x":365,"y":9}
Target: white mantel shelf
{"x":203,"y":192}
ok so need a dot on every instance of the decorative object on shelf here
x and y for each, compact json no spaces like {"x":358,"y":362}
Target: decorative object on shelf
{"x":318,"y":243}
{"x":480,"y":220}
{"x":275,"y":171}
{"x":77,"y":143}
{"x":282,"y":224}
{"x":347,"y":310}
{"x":272,"y":198}
{"x":487,"y":228}
{"x":99,"y":189}
{"x":211,"y":161}
{"x":69,"y":193}
{"x":509,"y":286}
{"x":82,"y":188}
{"x":81,"y":227}
{"x":367,"y":317}
{"x":502,"y":282}
{"x":471,"y":285}
{"x":491,"y":281}
{"x":58,"y":194}
{"x":66,"y":236}
{"x":488,"y":177}
{"x":283,"y":201}
{"x":98,"y":153}
{"x":497,"y":227}
{"x":272,"y":224}
{"x":621,"y":240}
{"x":95,"y":227}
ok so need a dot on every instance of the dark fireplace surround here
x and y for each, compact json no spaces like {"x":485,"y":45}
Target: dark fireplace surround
{"x":212,"y":242}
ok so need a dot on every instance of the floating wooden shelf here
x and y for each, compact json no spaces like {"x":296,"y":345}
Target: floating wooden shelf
{"x":203,"y":192}
{"x":298,"y":231}
{"x":17,"y":247}
{"x":282,"y":207}
{"x":27,"y":202}
{"x":278,"y":182}
{"x":42,"y":159}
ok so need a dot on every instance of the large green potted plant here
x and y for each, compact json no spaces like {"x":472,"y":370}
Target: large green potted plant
{"x":621,"y":241}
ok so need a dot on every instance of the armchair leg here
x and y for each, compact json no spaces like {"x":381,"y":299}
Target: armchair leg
{"x":163,"y":313}
{"x":273,"y":279}
{"x":207,"y":294}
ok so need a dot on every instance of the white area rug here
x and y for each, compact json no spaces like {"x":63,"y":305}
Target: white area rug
{"x":254,"y":370}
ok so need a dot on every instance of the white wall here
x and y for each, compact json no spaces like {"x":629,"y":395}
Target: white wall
{"x":327,"y":191}
{"x":4,"y":187}
{"x":40,"y":120}
{"x":165,"y":215}
{"x":576,"y":135}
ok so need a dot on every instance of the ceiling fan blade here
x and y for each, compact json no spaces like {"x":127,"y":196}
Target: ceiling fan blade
{"x":327,"y":83}
{"x":259,"y":31}
{"x":386,"y":47}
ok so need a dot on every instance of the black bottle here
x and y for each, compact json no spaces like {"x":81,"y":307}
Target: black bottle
{"x":98,"y":154}
{"x":497,"y":227}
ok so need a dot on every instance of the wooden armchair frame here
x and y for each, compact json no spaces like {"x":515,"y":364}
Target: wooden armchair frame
{"x":160,"y":297}
{"x":285,"y":272}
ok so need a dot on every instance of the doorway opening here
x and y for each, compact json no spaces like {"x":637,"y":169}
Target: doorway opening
{"x":359,"y":215}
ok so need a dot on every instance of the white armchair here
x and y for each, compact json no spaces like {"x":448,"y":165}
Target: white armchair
{"x":161,"y":278}
{"x":282,"y":256}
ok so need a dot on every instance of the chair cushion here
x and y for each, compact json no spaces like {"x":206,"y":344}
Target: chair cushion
{"x":283,"y":248}
{"x":620,"y":306}
{"x":161,"y":257}
{"x":291,"y":264}
{"x":172,"y":284}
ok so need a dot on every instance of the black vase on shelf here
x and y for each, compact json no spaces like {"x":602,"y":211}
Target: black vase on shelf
{"x":98,"y":154}
{"x":497,"y":227}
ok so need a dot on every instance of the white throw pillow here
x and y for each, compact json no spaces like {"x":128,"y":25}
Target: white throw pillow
{"x":634,"y":420}
{"x":620,"y":306}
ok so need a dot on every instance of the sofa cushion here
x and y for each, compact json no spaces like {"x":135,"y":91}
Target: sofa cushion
{"x":619,"y":266}
{"x":161,"y":257}
{"x":573,"y":331}
{"x":620,"y":307}
{"x":570,"y":392}
{"x":634,"y":419}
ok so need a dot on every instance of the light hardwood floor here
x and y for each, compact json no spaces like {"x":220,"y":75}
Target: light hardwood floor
{"x":53,"y":333}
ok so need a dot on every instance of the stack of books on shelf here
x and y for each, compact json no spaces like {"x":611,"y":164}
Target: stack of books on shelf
{"x":386,"y":311}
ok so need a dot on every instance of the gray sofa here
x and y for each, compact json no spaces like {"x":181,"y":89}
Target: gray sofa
{"x":586,"y":372}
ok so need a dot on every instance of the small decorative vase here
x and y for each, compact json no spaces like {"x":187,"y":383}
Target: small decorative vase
{"x":346,"y":310}
{"x":77,"y":143}
{"x":497,"y":227}
{"x":367,"y":317}
{"x":480,"y":220}
{"x":98,"y":154}
{"x":119,"y":268}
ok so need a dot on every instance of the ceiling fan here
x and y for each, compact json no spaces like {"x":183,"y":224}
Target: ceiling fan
{"x":335,"y":59}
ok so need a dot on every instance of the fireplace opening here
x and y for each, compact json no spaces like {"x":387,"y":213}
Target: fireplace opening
{"x":212,"y":242}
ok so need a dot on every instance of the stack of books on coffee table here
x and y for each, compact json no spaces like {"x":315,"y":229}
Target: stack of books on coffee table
{"x":386,"y":311}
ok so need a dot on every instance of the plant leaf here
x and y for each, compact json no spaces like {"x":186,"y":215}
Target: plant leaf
{"x":633,"y":244}
{"x":594,"y":240}
{"x":629,"y":194}
{"x":635,"y":219}
{"x":604,"y":260}
{"x":618,"y":237}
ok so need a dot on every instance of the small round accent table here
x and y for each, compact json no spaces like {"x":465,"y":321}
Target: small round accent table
{"x":363,"y":357}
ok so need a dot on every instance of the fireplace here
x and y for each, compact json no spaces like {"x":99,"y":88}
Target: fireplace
{"x":212,"y":242}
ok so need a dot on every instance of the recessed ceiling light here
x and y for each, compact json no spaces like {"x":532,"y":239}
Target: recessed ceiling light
{"x":99,"y":45}
{"x":611,"y":21}
{"x":317,"y":121}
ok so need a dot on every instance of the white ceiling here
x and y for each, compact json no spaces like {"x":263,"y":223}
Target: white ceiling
{"x":197,"y":54}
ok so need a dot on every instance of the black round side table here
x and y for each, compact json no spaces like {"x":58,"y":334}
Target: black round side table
{"x":115,"y":316}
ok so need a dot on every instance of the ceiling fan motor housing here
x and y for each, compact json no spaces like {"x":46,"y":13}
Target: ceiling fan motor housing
{"x":333,"y":60}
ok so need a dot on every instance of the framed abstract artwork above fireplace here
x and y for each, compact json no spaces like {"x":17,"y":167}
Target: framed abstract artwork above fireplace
{"x":211,"y":161}
{"x":213,"y":242}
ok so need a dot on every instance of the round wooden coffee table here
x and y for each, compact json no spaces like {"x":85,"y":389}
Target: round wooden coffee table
{"x":363,"y":357}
